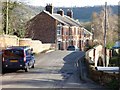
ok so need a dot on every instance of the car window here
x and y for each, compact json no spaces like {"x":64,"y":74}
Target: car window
{"x":28,"y":52}
{"x":13,"y":53}
{"x":71,"y":47}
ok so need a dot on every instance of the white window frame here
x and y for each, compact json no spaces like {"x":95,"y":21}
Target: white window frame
{"x":59,"y":29}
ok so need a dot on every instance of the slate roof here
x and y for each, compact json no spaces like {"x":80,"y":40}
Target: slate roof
{"x":65,"y":19}
{"x":86,"y":31}
{"x":73,"y":20}
{"x":58,"y":19}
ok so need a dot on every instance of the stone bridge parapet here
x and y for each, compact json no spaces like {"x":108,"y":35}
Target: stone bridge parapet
{"x":94,"y":54}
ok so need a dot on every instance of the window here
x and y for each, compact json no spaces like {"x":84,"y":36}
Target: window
{"x":28,"y":52}
{"x":13,"y":53}
{"x":58,"y":32}
{"x":59,"y":29}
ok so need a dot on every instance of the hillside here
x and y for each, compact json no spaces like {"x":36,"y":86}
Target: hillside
{"x":18,"y":16}
{"x":84,"y":14}
{"x":23,"y":13}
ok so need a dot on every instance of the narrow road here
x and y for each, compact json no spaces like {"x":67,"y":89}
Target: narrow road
{"x":57,"y":69}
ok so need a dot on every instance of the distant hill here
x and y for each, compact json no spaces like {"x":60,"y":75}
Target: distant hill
{"x":84,"y":14}
{"x":23,"y":13}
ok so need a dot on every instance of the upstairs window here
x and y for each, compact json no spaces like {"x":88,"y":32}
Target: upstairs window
{"x":59,"y":29}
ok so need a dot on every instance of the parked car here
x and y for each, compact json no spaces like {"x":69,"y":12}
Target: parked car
{"x":117,"y":45}
{"x":73,"y":48}
{"x":18,"y":57}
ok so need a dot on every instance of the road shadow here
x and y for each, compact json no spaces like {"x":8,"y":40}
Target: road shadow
{"x":70,"y":63}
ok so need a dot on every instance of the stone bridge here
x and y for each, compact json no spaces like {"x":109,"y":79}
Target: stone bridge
{"x":96,"y":57}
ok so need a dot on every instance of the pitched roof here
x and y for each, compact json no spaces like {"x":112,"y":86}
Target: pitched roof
{"x":55,"y":17}
{"x":65,"y":19}
{"x":86,"y":31}
{"x":73,"y":20}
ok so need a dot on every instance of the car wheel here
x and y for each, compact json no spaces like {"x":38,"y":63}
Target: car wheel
{"x":33,"y":66}
{"x":3,"y":71}
{"x":27,"y":68}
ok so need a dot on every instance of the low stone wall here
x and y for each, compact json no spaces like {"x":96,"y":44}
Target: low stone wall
{"x":37,"y":46}
{"x":90,"y":55}
{"x":47,"y":46}
{"x":25,"y":41}
{"x":110,"y":80}
{"x":93,"y":54}
{"x":8,"y":40}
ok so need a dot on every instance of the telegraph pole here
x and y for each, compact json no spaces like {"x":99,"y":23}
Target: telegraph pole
{"x":105,"y":29}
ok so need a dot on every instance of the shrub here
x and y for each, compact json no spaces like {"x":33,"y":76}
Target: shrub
{"x":113,"y":84}
{"x":114,"y":61}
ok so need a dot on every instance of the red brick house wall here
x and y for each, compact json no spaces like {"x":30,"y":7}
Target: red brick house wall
{"x":43,"y":28}
{"x":65,"y":37}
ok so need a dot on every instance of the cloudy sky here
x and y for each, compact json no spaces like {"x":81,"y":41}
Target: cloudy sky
{"x":67,"y":3}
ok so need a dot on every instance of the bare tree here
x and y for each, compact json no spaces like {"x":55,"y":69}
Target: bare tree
{"x":112,"y":27}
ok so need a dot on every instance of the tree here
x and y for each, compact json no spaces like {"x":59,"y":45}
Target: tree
{"x":18,"y":15}
{"x":10,"y":6}
{"x":0,"y":17}
{"x":112,"y":29}
{"x":87,"y":25}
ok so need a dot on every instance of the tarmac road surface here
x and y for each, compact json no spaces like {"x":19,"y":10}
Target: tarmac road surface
{"x":55,"y":70}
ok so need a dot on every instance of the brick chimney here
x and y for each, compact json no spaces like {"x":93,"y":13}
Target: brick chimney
{"x":49,"y":8}
{"x":61,"y":12}
{"x":70,"y":13}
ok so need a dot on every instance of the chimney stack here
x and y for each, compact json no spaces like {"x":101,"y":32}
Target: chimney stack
{"x":49,"y":8}
{"x":61,"y":12}
{"x":70,"y":13}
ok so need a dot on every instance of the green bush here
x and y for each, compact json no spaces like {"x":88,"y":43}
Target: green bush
{"x":110,"y":45}
{"x":114,"y":61}
{"x":113,"y":84}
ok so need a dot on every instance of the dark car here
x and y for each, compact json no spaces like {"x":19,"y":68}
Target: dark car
{"x":72,"y":48}
{"x":18,"y":57}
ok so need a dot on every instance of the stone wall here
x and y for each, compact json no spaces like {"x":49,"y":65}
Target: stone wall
{"x":94,"y":53}
{"x":110,"y":80}
{"x":8,"y":40}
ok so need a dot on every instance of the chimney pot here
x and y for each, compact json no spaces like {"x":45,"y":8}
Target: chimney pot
{"x":61,"y":12}
{"x":70,"y":13}
{"x":49,"y":8}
